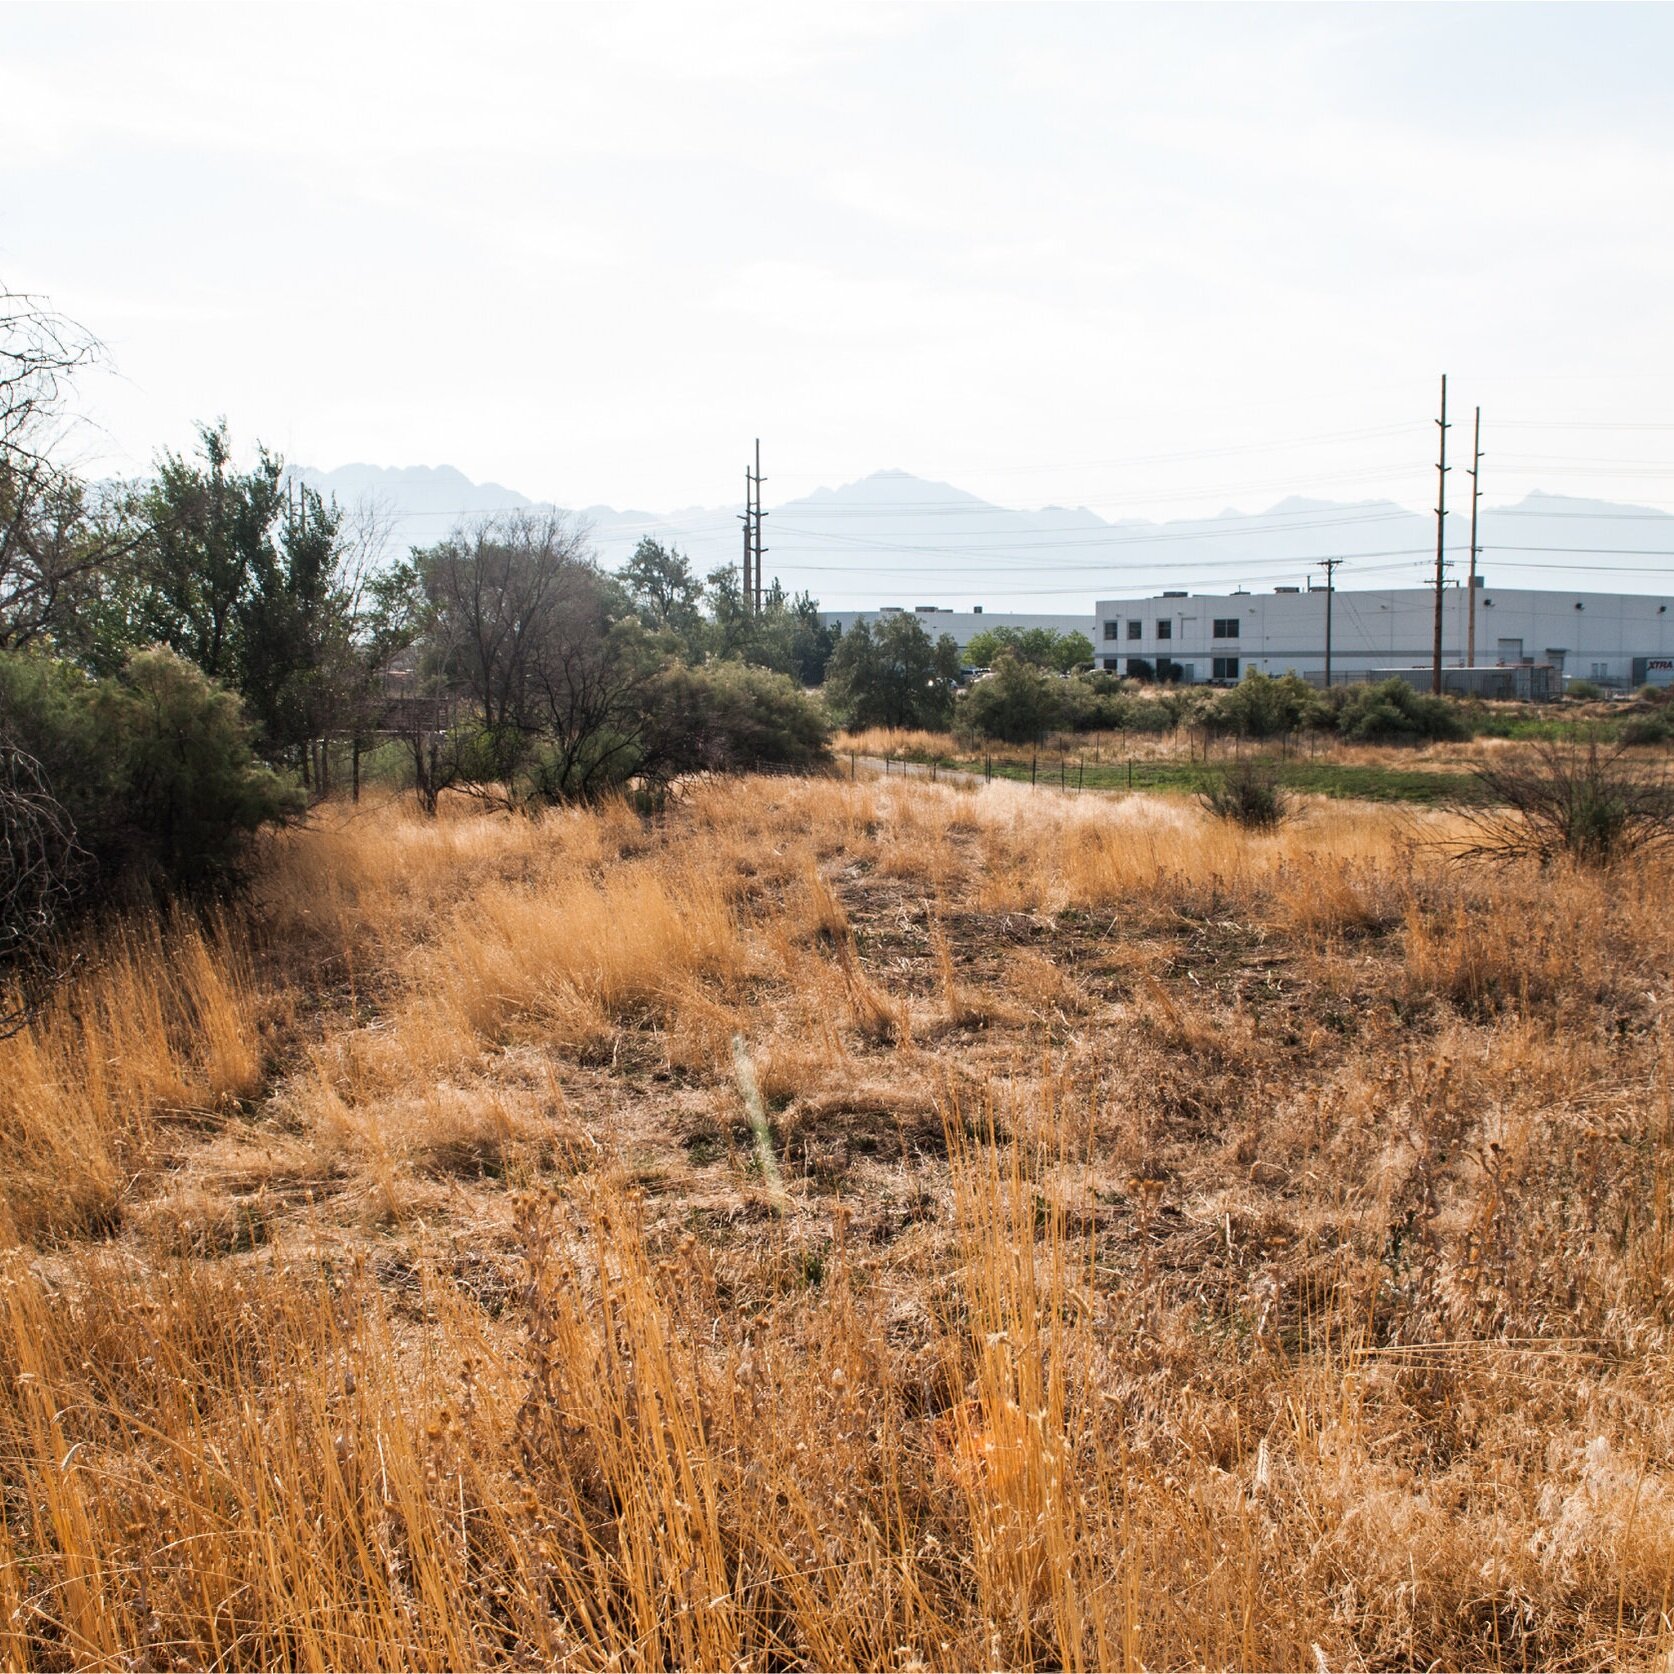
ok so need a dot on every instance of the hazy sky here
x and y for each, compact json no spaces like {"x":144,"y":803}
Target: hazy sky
{"x":1154,"y":260}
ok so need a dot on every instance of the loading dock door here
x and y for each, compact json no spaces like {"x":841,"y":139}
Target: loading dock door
{"x":1511,"y":651}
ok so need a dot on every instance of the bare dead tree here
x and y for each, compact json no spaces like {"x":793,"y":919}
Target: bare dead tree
{"x":40,"y":350}
{"x":58,"y":535}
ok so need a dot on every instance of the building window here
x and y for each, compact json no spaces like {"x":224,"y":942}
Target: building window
{"x":1226,"y":627}
{"x":1136,"y":629}
{"x":1226,"y":668}
{"x":1112,"y":629}
{"x":1110,"y":662}
{"x":1165,"y":630}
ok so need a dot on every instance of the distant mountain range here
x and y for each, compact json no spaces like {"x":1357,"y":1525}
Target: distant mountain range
{"x":893,"y":538}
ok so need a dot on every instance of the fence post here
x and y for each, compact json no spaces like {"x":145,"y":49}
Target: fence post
{"x":1063,"y":773}
{"x":1033,"y":761}
{"x":1130,"y":772}
{"x":1080,"y":772}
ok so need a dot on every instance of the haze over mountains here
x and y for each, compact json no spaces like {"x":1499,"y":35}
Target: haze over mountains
{"x":893,"y":538}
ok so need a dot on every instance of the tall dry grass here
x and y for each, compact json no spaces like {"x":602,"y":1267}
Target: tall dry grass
{"x":1195,"y":1249}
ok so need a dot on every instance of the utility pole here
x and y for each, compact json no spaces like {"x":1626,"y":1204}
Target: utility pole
{"x":759,"y":479}
{"x":1329,"y":565}
{"x":746,"y":588}
{"x":1441,"y":529}
{"x":1470,"y":603}
{"x":751,"y":519}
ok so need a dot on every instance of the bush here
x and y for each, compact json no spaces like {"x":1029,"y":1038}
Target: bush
{"x":1593,"y":806}
{"x":152,"y":768}
{"x":1249,"y":794}
{"x":1655,"y":728}
{"x":1016,"y":704}
{"x":1392,"y":712}
{"x":730,"y":717}
{"x":1260,"y":706}
{"x":1585,"y":690}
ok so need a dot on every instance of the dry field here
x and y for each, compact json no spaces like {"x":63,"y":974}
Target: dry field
{"x":1161,"y":1247}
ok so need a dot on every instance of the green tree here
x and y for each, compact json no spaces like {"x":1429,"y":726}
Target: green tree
{"x":305,"y":657}
{"x":1017,"y":703}
{"x":665,"y":594}
{"x":208,"y":542}
{"x":893,"y":674}
{"x":1043,"y":647}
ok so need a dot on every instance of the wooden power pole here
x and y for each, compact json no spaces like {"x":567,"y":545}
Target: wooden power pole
{"x":753,"y":549}
{"x":761,"y":550}
{"x":1470,"y":603}
{"x":746,"y":587}
{"x":1329,"y":565}
{"x":1441,"y":535}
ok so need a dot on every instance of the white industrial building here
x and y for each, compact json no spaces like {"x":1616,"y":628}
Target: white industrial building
{"x":1615,"y":639}
{"x":964,"y":625}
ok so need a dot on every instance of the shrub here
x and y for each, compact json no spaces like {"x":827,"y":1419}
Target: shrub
{"x":1015,"y":704}
{"x":1585,"y":689}
{"x":1392,"y":712}
{"x":152,"y":767}
{"x":1593,"y":806}
{"x":1249,"y":794}
{"x":1657,"y":727}
{"x":730,"y":717}
{"x":1260,"y":706}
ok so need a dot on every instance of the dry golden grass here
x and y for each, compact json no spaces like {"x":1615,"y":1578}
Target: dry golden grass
{"x":1193,"y":1249}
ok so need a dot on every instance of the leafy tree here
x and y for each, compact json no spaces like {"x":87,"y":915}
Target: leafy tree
{"x":303,"y":665}
{"x":1017,"y":703}
{"x":1043,"y":647}
{"x":208,"y":543}
{"x":729,"y":630}
{"x":893,"y":674}
{"x":664,"y":592}
{"x":787,"y":635}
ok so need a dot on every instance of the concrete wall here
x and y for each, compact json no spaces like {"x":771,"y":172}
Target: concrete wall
{"x":1591,"y":636}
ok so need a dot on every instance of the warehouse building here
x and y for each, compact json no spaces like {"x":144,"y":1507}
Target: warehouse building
{"x":1616,"y":640}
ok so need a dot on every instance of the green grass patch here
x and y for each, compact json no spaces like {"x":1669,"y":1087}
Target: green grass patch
{"x":1318,"y":778}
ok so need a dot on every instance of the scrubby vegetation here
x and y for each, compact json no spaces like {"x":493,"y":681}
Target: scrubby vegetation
{"x":1249,"y":794}
{"x":1591,"y":805}
{"x":1190,"y":1246}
